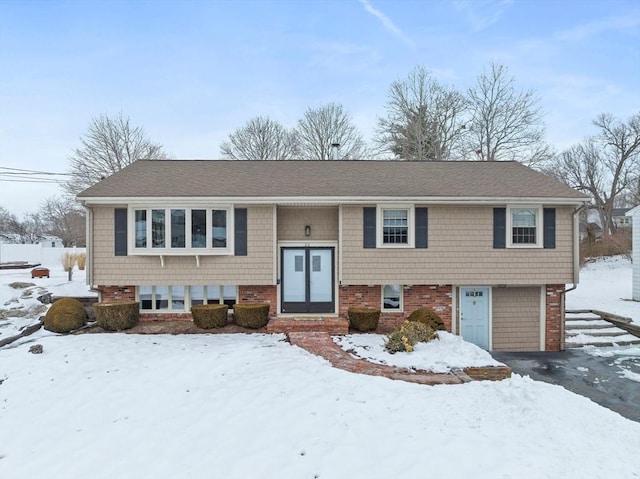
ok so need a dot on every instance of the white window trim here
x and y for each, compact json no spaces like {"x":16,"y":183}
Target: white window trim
{"x":392,"y":310}
{"x":209,"y":250}
{"x":539,"y":226}
{"x":187,"y":297}
{"x":410,"y":225}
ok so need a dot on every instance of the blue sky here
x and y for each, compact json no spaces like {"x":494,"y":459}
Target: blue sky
{"x":191,"y":72}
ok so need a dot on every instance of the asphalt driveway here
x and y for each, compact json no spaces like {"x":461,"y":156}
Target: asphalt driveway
{"x":602,"y":375}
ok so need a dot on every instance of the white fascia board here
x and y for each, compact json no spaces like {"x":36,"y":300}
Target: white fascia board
{"x":328,"y":200}
{"x":633,"y":211}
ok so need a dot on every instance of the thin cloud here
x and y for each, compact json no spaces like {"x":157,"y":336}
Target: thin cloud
{"x":481,"y":14}
{"x":580,"y":32}
{"x":387,"y":23}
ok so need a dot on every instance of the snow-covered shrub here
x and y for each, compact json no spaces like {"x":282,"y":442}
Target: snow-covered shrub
{"x":117,"y":316}
{"x":427,"y":317}
{"x":65,"y":315}
{"x":209,"y":316}
{"x":407,"y":335}
{"x":251,"y":315}
{"x":363,"y":319}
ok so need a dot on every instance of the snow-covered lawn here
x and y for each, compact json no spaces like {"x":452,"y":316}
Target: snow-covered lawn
{"x":253,"y":406}
{"x":605,"y":285}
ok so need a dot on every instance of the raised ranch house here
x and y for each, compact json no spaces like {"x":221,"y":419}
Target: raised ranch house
{"x":489,"y":246}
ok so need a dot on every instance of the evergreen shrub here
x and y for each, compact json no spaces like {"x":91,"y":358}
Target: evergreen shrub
{"x":251,"y":315}
{"x":117,"y":316}
{"x":363,"y":319}
{"x":65,"y":315}
{"x":428,"y":317}
{"x":407,"y":335}
{"x":207,"y":316}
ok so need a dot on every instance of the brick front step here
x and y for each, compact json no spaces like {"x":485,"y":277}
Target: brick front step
{"x":333,"y":326}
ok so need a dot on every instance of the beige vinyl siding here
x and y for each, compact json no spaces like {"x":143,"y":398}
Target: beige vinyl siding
{"x":516,"y":319}
{"x":460,"y":252}
{"x":254,"y":269}
{"x":322,"y":220}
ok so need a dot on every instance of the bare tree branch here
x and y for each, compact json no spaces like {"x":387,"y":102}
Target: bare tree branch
{"x":604,"y":166}
{"x":321,"y":127}
{"x":261,"y":139}
{"x":109,"y":145}
{"x":506,"y":124}
{"x":425,"y":120}
{"x":63,"y":217}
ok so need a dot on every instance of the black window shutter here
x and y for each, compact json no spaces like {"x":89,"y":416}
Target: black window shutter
{"x":120,"y":230}
{"x":499,"y":227}
{"x":369,"y":227}
{"x":549,"y":222}
{"x":240,"y":238}
{"x":422,"y":227}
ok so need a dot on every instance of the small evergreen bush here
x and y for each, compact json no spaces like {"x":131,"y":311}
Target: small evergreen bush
{"x":363,"y":319}
{"x":65,"y":315}
{"x":117,"y":316}
{"x":207,"y":316}
{"x":251,"y":315}
{"x":407,"y":335}
{"x":428,"y":317}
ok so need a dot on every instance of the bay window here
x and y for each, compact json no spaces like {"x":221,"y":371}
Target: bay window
{"x":181,"y":231}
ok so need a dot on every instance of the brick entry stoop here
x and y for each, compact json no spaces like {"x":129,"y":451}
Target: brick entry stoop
{"x":332,"y":326}
{"x":322,"y":345}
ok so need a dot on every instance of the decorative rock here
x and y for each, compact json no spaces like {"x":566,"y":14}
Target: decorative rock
{"x":45,"y":298}
{"x":36,"y":349}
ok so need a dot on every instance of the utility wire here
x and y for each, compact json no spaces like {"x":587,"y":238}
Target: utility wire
{"x":20,"y":175}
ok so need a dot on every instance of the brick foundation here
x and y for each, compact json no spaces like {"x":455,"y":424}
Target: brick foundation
{"x":554,"y":324}
{"x":436,"y":297}
{"x":112,"y":294}
{"x":260,"y":294}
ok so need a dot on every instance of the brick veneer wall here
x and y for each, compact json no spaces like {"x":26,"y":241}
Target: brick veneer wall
{"x":554,"y":324}
{"x":259,"y":294}
{"x":436,"y":297}
{"x":110,"y":294}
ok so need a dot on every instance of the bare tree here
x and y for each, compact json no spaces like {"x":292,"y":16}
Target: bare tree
{"x":30,"y":229}
{"x":62,"y":217}
{"x":506,"y":124}
{"x":323,"y":127}
{"x":109,"y":145}
{"x":9,"y":224}
{"x":425,"y":120}
{"x":261,"y":139}
{"x":604,"y":166}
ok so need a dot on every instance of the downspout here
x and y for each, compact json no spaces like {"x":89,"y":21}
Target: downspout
{"x":576,"y":268}
{"x":89,"y":228}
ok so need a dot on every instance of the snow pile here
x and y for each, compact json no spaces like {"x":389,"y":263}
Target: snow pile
{"x":439,"y":355}
{"x":605,"y":285}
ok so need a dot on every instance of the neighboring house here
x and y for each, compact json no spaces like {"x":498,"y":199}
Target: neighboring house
{"x":634,"y":213}
{"x":590,"y":231}
{"x":51,"y":242}
{"x":488,"y":245}
{"x":620,"y":218}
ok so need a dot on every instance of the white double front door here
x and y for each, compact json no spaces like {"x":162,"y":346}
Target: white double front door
{"x":307,"y":280}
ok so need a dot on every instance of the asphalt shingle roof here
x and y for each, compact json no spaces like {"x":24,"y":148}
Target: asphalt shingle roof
{"x":295,"y":179}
